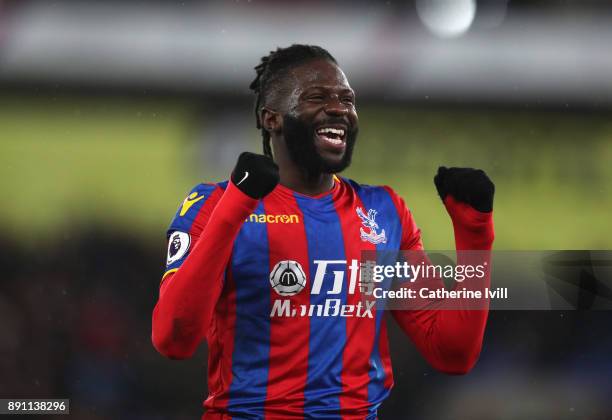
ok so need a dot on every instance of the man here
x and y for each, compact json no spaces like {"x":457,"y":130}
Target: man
{"x":264,"y":270}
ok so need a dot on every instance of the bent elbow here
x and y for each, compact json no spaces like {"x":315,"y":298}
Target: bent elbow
{"x":455,"y":368}
{"x":171,"y":349}
{"x":170,"y":338}
{"x":457,"y":363}
{"x":168,"y":346}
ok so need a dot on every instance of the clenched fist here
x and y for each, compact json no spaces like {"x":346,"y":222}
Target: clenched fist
{"x":255,"y":175}
{"x":466,"y":185}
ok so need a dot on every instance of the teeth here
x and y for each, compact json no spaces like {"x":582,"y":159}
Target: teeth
{"x":339,"y":132}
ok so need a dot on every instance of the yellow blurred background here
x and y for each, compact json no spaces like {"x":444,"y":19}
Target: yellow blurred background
{"x":126,"y":162}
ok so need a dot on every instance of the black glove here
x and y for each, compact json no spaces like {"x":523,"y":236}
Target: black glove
{"x":468,"y":185}
{"x":255,"y":175}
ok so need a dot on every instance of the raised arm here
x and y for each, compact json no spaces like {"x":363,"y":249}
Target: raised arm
{"x":189,"y":294}
{"x":451,"y":339}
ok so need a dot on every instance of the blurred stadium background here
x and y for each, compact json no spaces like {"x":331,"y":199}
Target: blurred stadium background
{"x":111,"y":111}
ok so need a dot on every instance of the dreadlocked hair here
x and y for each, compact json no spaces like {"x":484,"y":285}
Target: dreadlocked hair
{"x":271,"y":69}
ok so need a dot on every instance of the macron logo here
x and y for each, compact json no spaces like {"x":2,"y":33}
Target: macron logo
{"x":273,"y":218}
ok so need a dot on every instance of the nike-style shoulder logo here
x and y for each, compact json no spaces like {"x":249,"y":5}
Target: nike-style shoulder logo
{"x":189,"y":201}
{"x":246,"y":175}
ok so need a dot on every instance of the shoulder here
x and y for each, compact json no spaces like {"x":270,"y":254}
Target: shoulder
{"x":199,"y":195}
{"x":208,"y":187}
{"x":203,"y":188}
{"x":380,"y":197}
{"x":200,"y":201}
{"x":373,"y":191}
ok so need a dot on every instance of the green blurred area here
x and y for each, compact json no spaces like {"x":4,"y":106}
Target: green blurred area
{"x":551,"y":170}
{"x":72,"y":162}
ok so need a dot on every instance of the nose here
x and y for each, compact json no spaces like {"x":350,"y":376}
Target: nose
{"x":334,"y":106}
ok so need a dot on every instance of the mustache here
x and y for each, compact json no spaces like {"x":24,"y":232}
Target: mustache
{"x":298,"y":135}
{"x":337,"y":121}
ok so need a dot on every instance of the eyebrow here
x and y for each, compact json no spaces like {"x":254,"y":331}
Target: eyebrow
{"x":343,"y":90}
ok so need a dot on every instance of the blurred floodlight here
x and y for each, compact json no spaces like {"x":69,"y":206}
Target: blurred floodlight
{"x":447,"y":18}
{"x":491,"y":13}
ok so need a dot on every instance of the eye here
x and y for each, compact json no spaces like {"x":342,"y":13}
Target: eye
{"x":348,"y":100}
{"x":315,"y":98}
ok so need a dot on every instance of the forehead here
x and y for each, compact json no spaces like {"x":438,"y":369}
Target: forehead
{"x":318,"y":73}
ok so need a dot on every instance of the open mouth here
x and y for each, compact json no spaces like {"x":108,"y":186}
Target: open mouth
{"x":334,"y":137}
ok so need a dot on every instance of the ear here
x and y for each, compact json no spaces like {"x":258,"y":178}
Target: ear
{"x":271,"y":120}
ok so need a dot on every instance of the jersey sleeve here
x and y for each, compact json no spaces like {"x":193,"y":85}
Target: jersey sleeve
{"x":188,"y":223}
{"x":187,"y":298}
{"x":450,"y":340}
{"x":411,"y":234}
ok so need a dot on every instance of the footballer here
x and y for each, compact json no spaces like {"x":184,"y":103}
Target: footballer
{"x":263,"y":266}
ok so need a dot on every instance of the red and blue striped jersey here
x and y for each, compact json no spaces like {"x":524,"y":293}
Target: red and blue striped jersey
{"x":289,"y":335}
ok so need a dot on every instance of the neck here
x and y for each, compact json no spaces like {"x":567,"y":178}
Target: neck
{"x":296,"y":180}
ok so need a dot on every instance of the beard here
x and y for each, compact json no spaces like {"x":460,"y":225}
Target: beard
{"x":300,"y":140}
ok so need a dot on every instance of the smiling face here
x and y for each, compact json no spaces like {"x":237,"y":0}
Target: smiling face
{"x":319,"y":119}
